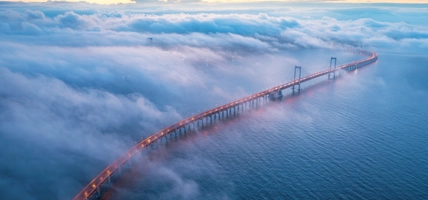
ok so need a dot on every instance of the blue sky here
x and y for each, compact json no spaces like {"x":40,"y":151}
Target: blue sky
{"x":84,"y":80}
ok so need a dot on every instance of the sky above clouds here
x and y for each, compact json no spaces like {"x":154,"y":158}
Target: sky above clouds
{"x":221,"y":1}
{"x":88,"y":81}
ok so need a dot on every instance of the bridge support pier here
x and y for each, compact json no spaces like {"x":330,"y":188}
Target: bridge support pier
{"x":275,"y":95}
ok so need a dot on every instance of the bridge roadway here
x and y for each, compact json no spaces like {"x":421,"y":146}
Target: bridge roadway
{"x":208,"y":116}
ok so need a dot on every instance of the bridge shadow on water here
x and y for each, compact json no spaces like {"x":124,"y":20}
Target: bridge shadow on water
{"x":140,"y":166}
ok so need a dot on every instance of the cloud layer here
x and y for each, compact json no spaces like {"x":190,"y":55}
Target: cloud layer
{"x":80,"y":86}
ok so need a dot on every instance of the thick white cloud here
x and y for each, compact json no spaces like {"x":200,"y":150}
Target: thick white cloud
{"x":43,"y":120}
{"x":261,"y":31}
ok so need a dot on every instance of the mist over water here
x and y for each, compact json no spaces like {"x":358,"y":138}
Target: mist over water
{"x":361,"y":136}
{"x":82,"y":83}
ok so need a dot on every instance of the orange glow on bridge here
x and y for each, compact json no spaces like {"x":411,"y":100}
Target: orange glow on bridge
{"x":89,"y":190}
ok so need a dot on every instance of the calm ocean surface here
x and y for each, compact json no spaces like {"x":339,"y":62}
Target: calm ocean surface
{"x":362,"y":136}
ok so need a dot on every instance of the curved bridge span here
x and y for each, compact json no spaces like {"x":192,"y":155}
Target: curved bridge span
{"x":208,"y":117}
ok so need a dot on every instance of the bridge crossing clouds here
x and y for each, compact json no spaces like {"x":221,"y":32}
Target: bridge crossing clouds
{"x":218,"y":113}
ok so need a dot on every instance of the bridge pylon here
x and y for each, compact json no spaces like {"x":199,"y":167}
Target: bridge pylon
{"x":297,"y":69}
{"x":334,"y":67}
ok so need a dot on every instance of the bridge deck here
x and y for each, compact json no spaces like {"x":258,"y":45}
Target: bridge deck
{"x":89,"y":190}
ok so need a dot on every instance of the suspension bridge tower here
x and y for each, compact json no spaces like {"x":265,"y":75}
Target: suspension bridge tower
{"x":332,"y":67}
{"x":298,"y":75}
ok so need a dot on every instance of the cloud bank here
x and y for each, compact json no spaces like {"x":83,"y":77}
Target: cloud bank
{"x":80,"y":86}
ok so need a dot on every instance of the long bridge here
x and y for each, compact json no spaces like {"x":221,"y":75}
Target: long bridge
{"x":218,"y":113}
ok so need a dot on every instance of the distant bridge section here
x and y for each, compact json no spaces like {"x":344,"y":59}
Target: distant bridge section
{"x":215,"y":114}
